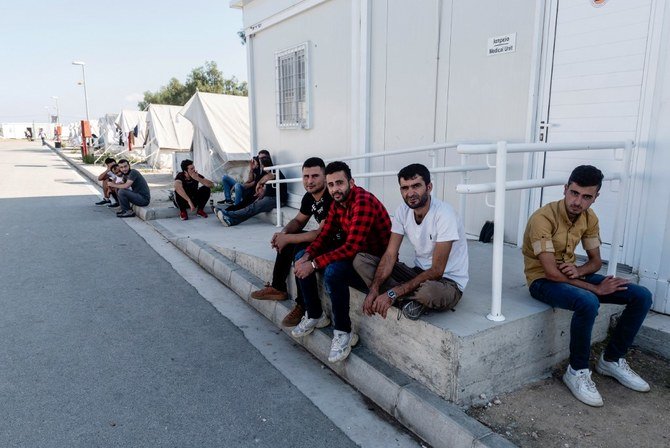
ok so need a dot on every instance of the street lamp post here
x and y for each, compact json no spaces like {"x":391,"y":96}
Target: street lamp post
{"x":83,"y":74}
{"x":57,"y":110}
{"x":84,"y":147}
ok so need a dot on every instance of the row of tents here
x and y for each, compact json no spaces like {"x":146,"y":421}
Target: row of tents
{"x":212,"y":129}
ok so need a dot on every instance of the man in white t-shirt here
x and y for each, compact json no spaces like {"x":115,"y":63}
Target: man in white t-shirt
{"x":440,"y":271}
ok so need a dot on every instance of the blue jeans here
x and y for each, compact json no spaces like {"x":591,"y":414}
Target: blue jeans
{"x":262,"y":205}
{"x":227,"y":182}
{"x":127,"y":197}
{"x":585,"y":305}
{"x":337,"y":278}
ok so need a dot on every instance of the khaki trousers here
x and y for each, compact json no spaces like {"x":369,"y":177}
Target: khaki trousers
{"x":438,"y":295}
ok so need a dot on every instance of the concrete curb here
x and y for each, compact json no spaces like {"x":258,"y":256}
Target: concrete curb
{"x":433,"y":419}
{"x":144,"y":213}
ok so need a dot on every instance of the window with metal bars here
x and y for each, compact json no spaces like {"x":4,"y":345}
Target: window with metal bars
{"x":292,"y":96}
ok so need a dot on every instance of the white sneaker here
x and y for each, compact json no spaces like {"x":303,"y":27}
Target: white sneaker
{"x":621,"y":371}
{"x":307,"y":325}
{"x":582,"y":387}
{"x":341,"y":345}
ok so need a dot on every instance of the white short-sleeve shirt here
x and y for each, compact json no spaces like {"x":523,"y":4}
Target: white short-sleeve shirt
{"x":440,"y":224}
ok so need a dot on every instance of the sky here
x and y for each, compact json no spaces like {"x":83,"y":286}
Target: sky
{"x":129,"y":47}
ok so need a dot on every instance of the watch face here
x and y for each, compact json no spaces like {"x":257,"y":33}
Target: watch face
{"x":391,"y":293}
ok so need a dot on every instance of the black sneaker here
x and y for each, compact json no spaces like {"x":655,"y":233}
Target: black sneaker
{"x":413,"y":310}
{"x":126,"y":214}
{"x":226,"y":201}
{"x":113,"y":205}
{"x":104,"y":201}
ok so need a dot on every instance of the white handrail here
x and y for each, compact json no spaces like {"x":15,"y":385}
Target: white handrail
{"x":469,"y":148}
{"x":372,"y":155}
{"x":444,"y":169}
{"x":501,"y":185}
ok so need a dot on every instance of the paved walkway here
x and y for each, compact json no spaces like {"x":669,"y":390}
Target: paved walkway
{"x":105,"y":344}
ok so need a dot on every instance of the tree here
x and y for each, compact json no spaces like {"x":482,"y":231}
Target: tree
{"x":206,"y":78}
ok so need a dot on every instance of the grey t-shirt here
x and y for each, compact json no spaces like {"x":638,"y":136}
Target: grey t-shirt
{"x":139,"y":184}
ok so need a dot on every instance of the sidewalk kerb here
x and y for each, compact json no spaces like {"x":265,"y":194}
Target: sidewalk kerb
{"x":438,"y":422}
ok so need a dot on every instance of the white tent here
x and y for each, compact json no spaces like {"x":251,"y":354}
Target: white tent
{"x":108,"y":134}
{"x":128,"y":120}
{"x":221,"y":132}
{"x":167,"y":131}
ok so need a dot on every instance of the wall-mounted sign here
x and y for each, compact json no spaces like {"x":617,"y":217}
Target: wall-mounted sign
{"x":501,"y":44}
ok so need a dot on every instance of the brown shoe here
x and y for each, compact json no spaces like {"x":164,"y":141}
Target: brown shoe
{"x":269,"y":293}
{"x":293,"y":317}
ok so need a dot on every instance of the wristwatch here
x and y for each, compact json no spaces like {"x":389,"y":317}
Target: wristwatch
{"x":392,"y":295}
{"x":313,"y":265}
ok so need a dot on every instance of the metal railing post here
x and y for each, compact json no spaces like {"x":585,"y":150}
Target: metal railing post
{"x":617,"y":232}
{"x":465,"y":177}
{"x":498,"y":234}
{"x":278,"y":198}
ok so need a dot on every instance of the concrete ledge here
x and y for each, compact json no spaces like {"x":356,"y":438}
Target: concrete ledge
{"x":145,"y":213}
{"x":654,"y":336}
{"x":431,"y":418}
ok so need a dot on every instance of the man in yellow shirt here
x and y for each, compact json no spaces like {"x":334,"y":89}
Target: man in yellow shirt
{"x":553,"y":277}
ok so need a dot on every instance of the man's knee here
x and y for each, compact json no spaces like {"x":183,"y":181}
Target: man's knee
{"x":335,"y":273}
{"x":587,"y":304}
{"x":438,"y":295}
{"x":642,"y":297}
{"x":366,"y":265}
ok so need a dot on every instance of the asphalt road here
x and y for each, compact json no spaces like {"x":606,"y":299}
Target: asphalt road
{"x":102,"y":343}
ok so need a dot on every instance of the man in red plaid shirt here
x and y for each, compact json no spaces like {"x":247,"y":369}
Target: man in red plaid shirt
{"x":357,"y":222}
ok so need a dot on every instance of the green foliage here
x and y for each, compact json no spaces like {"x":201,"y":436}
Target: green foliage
{"x":207,"y":78}
{"x":217,"y":188}
{"x":88,"y":159}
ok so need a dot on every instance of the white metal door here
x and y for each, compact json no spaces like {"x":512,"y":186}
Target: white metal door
{"x":591,"y":90}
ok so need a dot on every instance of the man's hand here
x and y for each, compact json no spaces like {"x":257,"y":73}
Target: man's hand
{"x":280,"y":241}
{"x":303,"y":268}
{"x":611,"y":285}
{"x":382,"y":304}
{"x":368,"y":302}
{"x":190,"y":204}
{"x":569,"y":270}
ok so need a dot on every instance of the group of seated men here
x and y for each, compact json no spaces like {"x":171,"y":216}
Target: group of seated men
{"x":253,"y":196}
{"x":125,"y":185}
{"x":357,"y":244}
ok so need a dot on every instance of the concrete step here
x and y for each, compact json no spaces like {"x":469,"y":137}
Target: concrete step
{"x":457,"y":355}
{"x":654,"y":336}
{"x":438,"y":422}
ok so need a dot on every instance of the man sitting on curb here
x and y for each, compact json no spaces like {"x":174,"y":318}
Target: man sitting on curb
{"x":106,"y":177}
{"x":134,"y":190}
{"x":365,"y":226}
{"x":552,"y":234}
{"x":266,"y":200}
{"x":244,"y":190}
{"x":187,"y":193}
{"x":316,"y":202}
{"x":440,"y":270}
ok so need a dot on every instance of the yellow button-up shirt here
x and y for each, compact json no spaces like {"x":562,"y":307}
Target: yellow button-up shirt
{"x":550,"y":230}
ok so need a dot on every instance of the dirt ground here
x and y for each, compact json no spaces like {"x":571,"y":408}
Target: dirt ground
{"x":545,"y":414}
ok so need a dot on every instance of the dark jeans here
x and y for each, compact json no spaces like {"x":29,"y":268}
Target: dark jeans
{"x":585,"y":305}
{"x":282,"y":267}
{"x":200,"y":199}
{"x":337,"y":278}
{"x":127,"y":197}
{"x":265,"y":204}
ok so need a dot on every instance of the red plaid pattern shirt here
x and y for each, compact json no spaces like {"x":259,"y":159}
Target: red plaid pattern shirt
{"x":365,"y":222}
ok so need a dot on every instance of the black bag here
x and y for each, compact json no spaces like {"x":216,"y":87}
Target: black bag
{"x":486,"y":235}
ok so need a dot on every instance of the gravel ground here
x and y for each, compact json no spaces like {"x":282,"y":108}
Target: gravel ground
{"x":545,"y":414}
